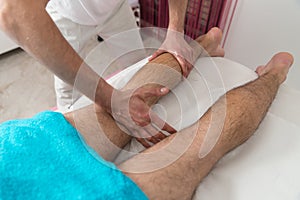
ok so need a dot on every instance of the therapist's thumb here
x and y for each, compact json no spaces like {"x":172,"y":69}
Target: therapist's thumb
{"x":155,"y":91}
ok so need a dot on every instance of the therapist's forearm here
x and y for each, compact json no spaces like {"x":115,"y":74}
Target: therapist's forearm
{"x":177,"y":10}
{"x":29,"y":25}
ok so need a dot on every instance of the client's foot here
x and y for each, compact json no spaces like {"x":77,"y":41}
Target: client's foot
{"x":279,"y":65}
{"x":211,"y":42}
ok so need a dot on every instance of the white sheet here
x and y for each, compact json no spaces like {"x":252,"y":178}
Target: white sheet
{"x":266,"y":166}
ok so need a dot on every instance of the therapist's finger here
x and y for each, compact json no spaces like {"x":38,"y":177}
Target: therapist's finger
{"x":155,"y":119}
{"x":169,"y":128}
{"x":143,"y":142}
{"x":156,"y":54}
{"x":186,"y":66}
{"x":156,"y":134}
{"x":147,"y":132}
{"x":160,"y":136}
{"x":157,"y":91}
{"x":152,"y":139}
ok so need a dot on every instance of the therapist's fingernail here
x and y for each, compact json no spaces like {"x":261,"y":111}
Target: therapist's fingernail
{"x":163,"y":90}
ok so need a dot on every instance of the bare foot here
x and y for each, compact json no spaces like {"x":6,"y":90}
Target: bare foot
{"x":211,"y":42}
{"x":278,"y":65}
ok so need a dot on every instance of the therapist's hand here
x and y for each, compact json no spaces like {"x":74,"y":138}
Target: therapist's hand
{"x":175,"y":44}
{"x":130,"y":108}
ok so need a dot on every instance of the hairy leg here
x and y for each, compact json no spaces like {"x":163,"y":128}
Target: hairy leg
{"x":245,"y":108}
{"x":99,"y":129}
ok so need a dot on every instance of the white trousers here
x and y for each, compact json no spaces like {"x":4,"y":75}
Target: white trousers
{"x":83,"y":39}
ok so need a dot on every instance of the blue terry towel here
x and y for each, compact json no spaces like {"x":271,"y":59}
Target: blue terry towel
{"x":45,"y":158}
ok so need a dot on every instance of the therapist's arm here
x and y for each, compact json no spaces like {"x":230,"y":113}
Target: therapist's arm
{"x":175,"y":42}
{"x":30,"y":26}
{"x":177,"y":10}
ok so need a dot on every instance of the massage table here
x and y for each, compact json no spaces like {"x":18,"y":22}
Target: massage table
{"x":264,"y":167}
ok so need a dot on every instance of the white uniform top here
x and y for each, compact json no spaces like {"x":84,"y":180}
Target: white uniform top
{"x":86,"y":12}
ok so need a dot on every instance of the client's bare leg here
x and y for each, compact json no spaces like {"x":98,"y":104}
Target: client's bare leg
{"x":245,"y":108}
{"x":99,"y":129}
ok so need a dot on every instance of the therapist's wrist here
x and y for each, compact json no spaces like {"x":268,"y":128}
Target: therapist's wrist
{"x":103,"y":95}
{"x":176,"y":28}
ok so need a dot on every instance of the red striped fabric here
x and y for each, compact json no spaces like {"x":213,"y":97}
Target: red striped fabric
{"x":201,"y":15}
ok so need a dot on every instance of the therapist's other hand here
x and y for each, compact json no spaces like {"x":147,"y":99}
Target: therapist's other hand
{"x":130,"y":108}
{"x":175,"y":44}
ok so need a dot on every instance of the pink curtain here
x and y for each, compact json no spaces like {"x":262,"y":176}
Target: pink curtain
{"x":201,"y":15}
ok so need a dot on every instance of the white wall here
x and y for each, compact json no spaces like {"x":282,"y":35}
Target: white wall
{"x":260,"y":28}
{"x":5,"y":43}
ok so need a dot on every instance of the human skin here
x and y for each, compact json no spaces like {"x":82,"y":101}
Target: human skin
{"x":179,"y":49}
{"x":31,"y":27}
{"x":167,"y":71}
{"x":175,"y":42}
{"x":177,"y":10}
{"x":245,"y":108}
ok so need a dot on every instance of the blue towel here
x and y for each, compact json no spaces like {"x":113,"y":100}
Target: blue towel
{"x":45,"y":158}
